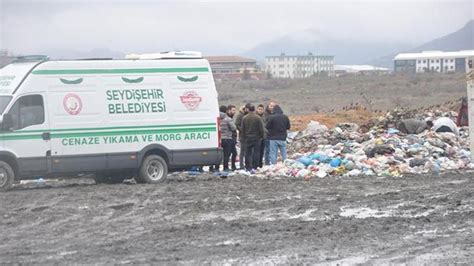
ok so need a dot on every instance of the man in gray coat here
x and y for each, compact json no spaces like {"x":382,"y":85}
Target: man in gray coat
{"x":228,"y":136}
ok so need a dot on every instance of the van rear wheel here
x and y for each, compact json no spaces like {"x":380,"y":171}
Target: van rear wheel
{"x":7,"y":176}
{"x":153,"y":170}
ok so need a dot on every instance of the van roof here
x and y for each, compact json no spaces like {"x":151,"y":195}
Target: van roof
{"x":166,"y":55}
{"x":126,"y":67}
{"x":12,"y":75}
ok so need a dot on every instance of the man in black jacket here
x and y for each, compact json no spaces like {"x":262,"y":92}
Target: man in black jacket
{"x":253,"y":132}
{"x":277,"y":125}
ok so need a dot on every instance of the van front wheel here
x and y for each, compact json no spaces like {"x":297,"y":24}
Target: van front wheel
{"x":153,"y":170}
{"x":7,"y":176}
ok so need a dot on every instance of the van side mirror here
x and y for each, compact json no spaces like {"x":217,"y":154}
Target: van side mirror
{"x":7,"y":123}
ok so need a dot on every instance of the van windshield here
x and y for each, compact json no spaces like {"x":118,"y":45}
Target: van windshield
{"x":4,"y":100}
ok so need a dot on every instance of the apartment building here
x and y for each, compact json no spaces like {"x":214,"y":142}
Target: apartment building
{"x":299,"y":66}
{"x":432,"y":61}
{"x":234,"y":68}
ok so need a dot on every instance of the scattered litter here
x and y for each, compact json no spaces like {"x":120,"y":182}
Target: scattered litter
{"x":382,"y":150}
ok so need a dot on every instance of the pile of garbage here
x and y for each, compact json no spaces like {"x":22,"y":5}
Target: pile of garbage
{"x":347,"y":150}
{"x":442,"y":110}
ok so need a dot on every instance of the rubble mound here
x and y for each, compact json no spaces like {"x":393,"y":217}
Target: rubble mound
{"x":374,"y":148}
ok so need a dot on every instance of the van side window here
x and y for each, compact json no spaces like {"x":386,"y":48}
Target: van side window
{"x":27,"y":111}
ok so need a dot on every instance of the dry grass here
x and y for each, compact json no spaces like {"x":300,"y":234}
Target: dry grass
{"x":325,"y":94}
{"x":359,"y":116}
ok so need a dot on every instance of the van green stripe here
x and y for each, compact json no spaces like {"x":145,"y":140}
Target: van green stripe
{"x":20,"y":137}
{"x":109,"y":133}
{"x":109,"y":128}
{"x":119,"y":71}
{"x":120,"y":133}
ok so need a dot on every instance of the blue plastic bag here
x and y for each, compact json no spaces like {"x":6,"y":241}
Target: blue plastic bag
{"x":336,"y":162}
{"x":305,"y":160}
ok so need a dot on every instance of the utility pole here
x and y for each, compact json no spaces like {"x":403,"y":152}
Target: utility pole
{"x":470,"y":104}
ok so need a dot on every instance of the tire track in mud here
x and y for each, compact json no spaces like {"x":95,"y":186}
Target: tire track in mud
{"x":205,"y":219}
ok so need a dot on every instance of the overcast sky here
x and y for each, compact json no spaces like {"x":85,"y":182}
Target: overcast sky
{"x":217,"y":27}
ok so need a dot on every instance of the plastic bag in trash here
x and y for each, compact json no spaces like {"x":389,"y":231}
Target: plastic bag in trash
{"x":335,"y":162}
{"x":305,"y":160}
{"x":315,"y":128}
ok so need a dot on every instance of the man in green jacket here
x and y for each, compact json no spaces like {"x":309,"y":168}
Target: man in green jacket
{"x":266,"y":115}
{"x":253,"y":131}
{"x":261,"y":112}
{"x":238,"y":122}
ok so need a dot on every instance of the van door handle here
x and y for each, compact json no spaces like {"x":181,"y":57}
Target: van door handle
{"x":46,"y":136}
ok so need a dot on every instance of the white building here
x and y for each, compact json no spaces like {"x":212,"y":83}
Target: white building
{"x":432,"y":61}
{"x":360,"y":69}
{"x":299,"y":66}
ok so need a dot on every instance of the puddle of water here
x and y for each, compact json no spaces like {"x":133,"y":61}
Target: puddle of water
{"x":268,"y":215}
{"x":230,"y":242}
{"x":61,"y":255}
{"x":306,"y":216}
{"x":457,"y":181}
{"x":363,"y":212}
{"x":389,"y":211}
{"x":350,"y":261}
{"x":263,"y":215}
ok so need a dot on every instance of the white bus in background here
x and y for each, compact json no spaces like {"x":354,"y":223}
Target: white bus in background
{"x":117,"y":119}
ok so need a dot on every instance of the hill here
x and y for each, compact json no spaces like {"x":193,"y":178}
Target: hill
{"x":462,"y":39}
{"x":321,"y":43}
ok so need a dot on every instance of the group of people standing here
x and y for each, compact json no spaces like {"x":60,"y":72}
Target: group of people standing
{"x":261,"y":132}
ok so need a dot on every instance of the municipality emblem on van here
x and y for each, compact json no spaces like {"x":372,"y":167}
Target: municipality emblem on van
{"x":191,"y":100}
{"x":72,"y":104}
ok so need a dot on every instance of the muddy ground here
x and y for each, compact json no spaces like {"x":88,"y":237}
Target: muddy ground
{"x":239,"y":220}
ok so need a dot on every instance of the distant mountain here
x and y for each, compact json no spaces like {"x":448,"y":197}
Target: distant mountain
{"x":73,"y":54}
{"x":463,"y":39}
{"x":345,"y":51}
{"x":352,"y":52}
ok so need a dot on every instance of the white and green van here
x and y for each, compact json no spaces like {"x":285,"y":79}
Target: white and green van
{"x":114,"y":118}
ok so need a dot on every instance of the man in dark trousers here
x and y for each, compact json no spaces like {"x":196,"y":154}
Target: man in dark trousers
{"x":266,"y":116}
{"x":229,"y":135}
{"x":261,"y":112}
{"x":222,"y":115}
{"x":252,"y":132}
{"x":238,"y":122}
{"x":277,"y":125}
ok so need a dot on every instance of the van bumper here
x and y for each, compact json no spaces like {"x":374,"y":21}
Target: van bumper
{"x":197,"y":157}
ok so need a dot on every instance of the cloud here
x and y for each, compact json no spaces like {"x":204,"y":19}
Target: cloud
{"x":216,"y":27}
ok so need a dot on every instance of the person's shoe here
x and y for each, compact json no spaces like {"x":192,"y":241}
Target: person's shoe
{"x":224,"y":174}
{"x":253,"y":171}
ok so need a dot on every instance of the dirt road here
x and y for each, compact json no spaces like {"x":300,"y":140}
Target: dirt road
{"x":205,"y":219}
